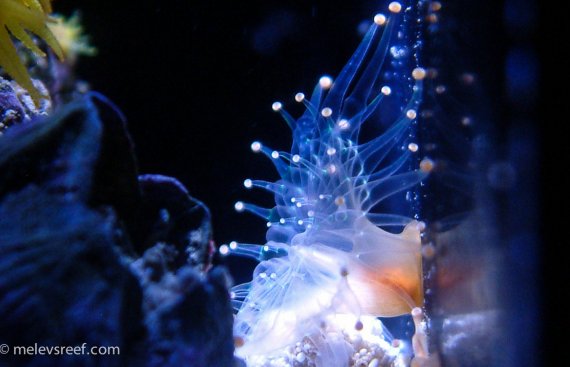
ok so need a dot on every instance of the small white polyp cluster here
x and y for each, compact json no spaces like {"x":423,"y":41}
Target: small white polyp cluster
{"x":364,"y":348}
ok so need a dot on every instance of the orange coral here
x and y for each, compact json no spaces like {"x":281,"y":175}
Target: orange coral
{"x":17,"y":18}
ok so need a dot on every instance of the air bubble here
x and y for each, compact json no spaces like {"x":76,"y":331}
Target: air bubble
{"x":398,"y":52}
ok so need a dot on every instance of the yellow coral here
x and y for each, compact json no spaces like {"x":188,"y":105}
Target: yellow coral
{"x":18,"y":17}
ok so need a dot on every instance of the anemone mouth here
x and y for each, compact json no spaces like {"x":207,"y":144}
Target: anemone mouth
{"x":339,"y":342}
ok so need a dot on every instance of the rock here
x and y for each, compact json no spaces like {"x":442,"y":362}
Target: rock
{"x":91,"y":253}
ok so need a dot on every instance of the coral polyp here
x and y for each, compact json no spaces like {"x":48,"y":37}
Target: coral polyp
{"x":336,"y":256}
{"x":71,"y":36}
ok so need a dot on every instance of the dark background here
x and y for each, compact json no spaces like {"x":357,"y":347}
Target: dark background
{"x":196,"y":80}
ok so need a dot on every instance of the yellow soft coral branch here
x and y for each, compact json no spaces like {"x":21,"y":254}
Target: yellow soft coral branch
{"x":41,"y":5}
{"x":18,"y":17}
